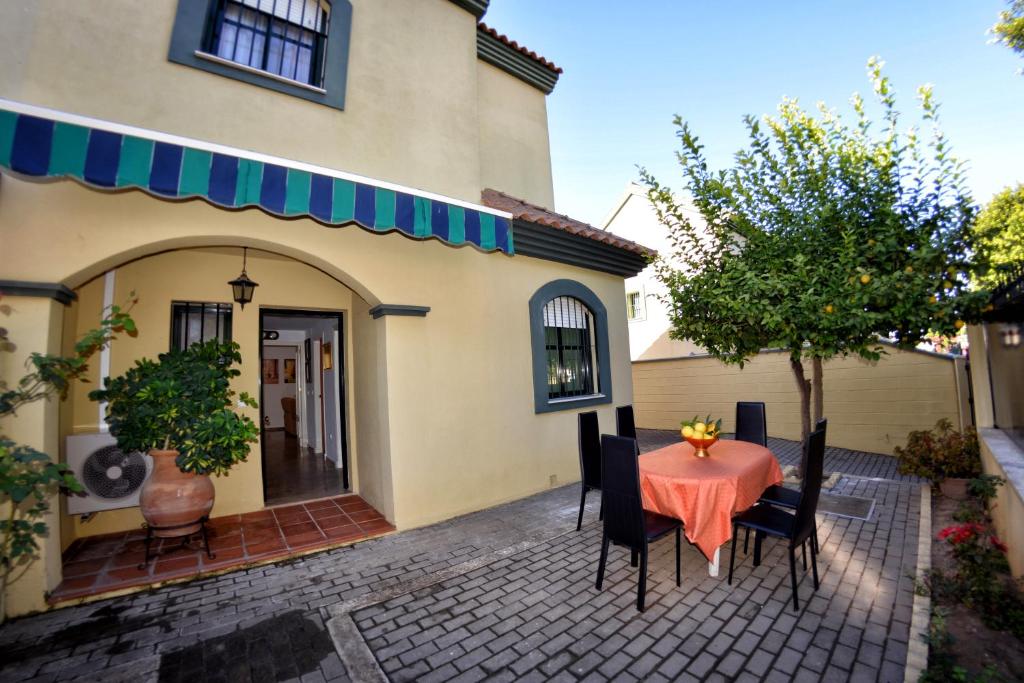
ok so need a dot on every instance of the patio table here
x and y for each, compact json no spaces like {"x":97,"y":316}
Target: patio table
{"x":706,"y":492}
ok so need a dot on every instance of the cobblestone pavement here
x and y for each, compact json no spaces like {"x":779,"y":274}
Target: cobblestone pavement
{"x":508,"y":594}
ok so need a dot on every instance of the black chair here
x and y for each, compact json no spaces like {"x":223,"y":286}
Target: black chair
{"x":627,"y":523}
{"x":625,"y":425}
{"x":780,"y":496}
{"x":590,"y":459}
{"x":795,"y":528}
{"x":751,"y":424}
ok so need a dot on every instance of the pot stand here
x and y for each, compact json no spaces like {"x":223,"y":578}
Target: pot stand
{"x":186,"y":538}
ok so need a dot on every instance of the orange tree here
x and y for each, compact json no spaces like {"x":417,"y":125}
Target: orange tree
{"x":822,"y":239}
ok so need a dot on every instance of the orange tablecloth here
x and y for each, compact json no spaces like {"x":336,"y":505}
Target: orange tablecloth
{"x":706,"y":492}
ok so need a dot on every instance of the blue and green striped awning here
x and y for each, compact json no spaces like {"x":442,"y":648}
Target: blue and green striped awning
{"x":116,"y":157}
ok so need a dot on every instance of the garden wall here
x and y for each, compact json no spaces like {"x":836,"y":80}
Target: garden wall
{"x":870,"y":406}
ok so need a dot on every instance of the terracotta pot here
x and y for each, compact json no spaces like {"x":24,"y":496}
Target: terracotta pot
{"x":954,"y":488}
{"x":172,"y":498}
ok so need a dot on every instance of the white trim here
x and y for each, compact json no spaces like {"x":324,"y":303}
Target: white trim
{"x":258,"y":72}
{"x":108,"y":301}
{"x":65,"y":117}
{"x":574,"y":399}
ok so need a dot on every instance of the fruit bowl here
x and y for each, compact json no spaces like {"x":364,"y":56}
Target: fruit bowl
{"x":701,"y":446}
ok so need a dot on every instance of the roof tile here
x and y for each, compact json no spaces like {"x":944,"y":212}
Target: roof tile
{"x":531,"y":213}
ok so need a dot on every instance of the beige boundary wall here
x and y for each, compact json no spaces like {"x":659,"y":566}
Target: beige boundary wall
{"x":870,"y":406}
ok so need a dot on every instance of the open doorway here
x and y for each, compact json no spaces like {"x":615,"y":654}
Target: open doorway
{"x":302,"y":405}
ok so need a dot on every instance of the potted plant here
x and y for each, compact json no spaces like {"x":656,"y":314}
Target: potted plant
{"x":179,"y":408}
{"x":944,"y":456}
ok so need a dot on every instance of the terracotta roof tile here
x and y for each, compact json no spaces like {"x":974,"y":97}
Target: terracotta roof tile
{"x":520,"y":48}
{"x":531,"y":213}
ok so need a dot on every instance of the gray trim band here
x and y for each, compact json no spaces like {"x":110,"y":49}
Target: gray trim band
{"x":187,"y":37}
{"x":541,"y":402}
{"x":552,"y":244}
{"x":381,"y":310}
{"x":50,"y":290}
{"x":514,"y":62}
{"x":475,"y":7}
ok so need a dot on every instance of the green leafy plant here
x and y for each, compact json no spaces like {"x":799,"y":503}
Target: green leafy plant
{"x":940,"y":453}
{"x":823,"y":237}
{"x":1009,"y":30}
{"x":29,"y":478}
{"x":999,"y":238}
{"x":183,"y":400}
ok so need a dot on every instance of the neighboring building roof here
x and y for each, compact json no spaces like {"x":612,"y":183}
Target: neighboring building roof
{"x":500,"y":51}
{"x":475,"y":7}
{"x":522,"y":49}
{"x":531,"y":213}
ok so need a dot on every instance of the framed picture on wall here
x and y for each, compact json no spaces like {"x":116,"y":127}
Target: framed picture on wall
{"x":270,"y":375}
{"x":289,"y":371}
{"x":309,"y":360}
{"x":328,"y":362}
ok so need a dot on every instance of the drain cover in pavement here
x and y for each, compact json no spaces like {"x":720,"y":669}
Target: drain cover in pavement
{"x":853,"y":507}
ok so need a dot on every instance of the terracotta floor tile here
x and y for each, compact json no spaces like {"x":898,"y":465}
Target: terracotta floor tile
{"x":264,"y":547}
{"x":128,"y":559}
{"x":166,"y":565}
{"x":84,"y":567}
{"x":326,"y":513}
{"x":129,"y":573}
{"x":293,"y":517}
{"x":364,"y":515}
{"x":296,"y":529}
{"x":110,"y":562}
{"x":354,"y":504}
{"x":304,"y":540}
{"x":343,"y":532}
{"x":336,"y":521}
{"x":78,"y":583}
{"x":376,"y":526}
{"x":224,"y":556}
{"x":326,"y":504}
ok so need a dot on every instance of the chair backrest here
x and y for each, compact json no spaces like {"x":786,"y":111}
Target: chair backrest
{"x":623,"y":507}
{"x":624,"y":423}
{"x":590,"y":449}
{"x":810,"y":487}
{"x":751,"y":423}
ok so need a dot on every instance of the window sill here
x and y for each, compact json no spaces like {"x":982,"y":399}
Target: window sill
{"x":555,"y":404}
{"x":258,"y":72}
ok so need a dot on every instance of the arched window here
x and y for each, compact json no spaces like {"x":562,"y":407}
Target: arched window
{"x":571,"y":348}
{"x":569,"y":336}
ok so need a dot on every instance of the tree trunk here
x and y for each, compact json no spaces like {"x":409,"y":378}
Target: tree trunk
{"x":818,"y":389}
{"x":804,"y":385}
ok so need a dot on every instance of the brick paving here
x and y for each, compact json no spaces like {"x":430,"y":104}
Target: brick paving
{"x":531,"y":613}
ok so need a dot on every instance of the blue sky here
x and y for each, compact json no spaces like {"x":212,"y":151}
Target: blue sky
{"x":630,"y":66}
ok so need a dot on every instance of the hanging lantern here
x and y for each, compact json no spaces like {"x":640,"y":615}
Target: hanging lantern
{"x":242,"y":287}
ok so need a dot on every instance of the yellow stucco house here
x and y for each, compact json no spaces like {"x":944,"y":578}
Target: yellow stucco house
{"x":385,"y":165}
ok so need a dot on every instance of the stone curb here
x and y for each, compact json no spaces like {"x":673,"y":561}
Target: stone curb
{"x":917,"y":646}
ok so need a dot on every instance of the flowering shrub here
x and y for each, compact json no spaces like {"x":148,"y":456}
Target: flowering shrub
{"x":941,"y":453}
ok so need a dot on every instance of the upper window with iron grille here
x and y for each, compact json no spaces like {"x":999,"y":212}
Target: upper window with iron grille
{"x":287,"y":38}
{"x":571,"y":348}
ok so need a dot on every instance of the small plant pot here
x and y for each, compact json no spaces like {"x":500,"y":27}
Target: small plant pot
{"x":173,"y":502}
{"x":955,"y":488}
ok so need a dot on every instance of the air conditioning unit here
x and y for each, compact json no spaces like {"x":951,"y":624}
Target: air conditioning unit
{"x":112,"y":479}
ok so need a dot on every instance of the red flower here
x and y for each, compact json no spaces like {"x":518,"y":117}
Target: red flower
{"x":999,"y":545}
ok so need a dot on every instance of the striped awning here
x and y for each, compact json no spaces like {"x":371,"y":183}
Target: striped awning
{"x":41,"y":143}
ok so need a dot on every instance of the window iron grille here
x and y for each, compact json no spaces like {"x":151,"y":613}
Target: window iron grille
{"x":287,"y":38}
{"x":193,"y":322}
{"x":570,"y":346}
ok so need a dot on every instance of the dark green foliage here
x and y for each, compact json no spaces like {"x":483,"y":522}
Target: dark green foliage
{"x":823,"y":237}
{"x":183,"y":400}
{"x":940,"y":453}
{"x":29,"y":478}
